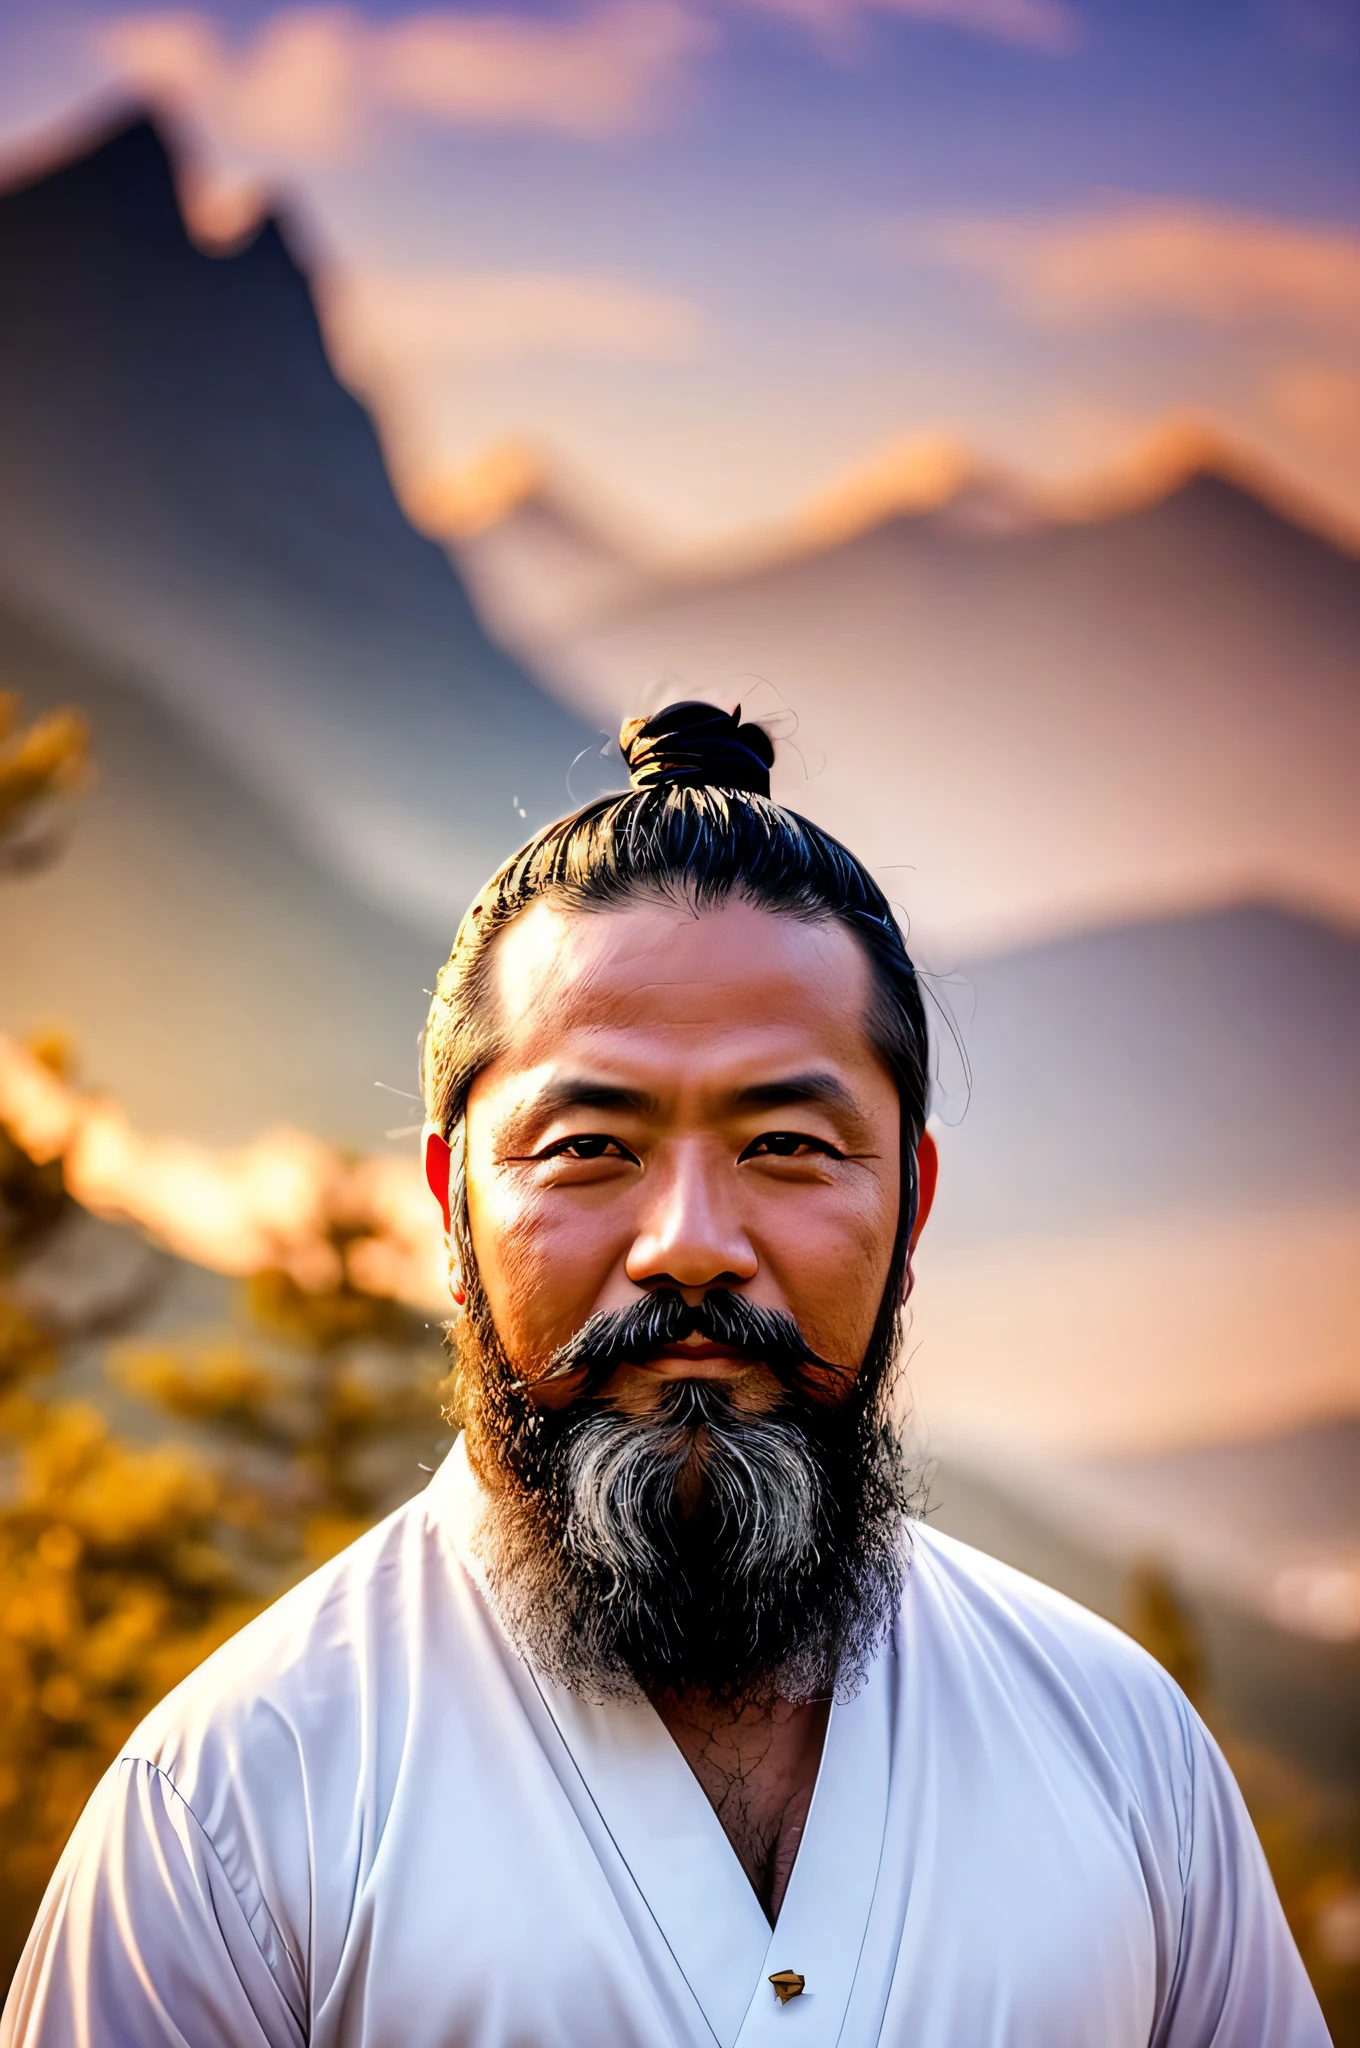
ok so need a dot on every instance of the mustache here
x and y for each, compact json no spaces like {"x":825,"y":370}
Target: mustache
{"x":657,"y":1322}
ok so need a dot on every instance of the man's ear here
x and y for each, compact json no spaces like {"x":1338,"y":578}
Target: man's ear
{"x":927,"y":1173}
{"x":438,"y":1168}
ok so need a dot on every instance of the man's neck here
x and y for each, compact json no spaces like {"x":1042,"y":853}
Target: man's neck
{"x":758,"y":1767}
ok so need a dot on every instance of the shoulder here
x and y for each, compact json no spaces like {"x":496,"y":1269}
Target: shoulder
{"x":289,"y":1696}
{"x":241,"y":1801}
{"x":369,"y":1696}
{"x":1057,"y":1665}
{"x":1054,"y":1731}
{"x":1031,"y":1619}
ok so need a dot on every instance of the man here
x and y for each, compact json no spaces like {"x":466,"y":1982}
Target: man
{"x":655,"y":1720}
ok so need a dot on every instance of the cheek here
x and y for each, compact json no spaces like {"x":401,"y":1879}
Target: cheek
{"x":542,"y":1265}
{"x":832,"y":1263}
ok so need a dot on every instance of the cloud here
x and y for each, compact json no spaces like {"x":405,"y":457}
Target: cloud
{"x":313,"y":81}
{"x":296,"y":89}
{"x":1135,"y":259}
{"x":600,"y":75}
{"x":1046,"y":25}
{"x":417,"y":320}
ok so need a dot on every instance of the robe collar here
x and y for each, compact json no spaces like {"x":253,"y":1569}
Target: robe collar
{"x":659,"y":1820}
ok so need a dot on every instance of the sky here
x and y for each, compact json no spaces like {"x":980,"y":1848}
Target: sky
{"x":707,"y":257}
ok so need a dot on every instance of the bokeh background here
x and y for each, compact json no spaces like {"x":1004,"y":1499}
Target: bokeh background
{"x":390,"y":400}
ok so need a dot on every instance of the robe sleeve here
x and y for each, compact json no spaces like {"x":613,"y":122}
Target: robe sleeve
{"x":143,"y":1942}
{"x":1239,"y":1981}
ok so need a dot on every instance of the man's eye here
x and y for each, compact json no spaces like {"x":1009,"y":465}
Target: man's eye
{"x":787,"y":1145}
{"x":591,"y":1145}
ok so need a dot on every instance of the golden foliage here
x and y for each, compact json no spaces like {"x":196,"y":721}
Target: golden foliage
{"x":123,"y":1564}
{"x":42,"y":766}
{"x":1159,"y":1619}
{"x":317,"y":1412}
{"x":113,"y":1588}
{"x":113,"y":1585}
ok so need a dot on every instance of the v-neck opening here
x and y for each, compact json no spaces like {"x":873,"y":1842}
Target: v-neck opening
{"x":660,"y":1821}
{"x":821,"y":1755}
{"x":705,"y":1907}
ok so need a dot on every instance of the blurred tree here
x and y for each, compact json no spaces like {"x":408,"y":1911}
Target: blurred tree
{"x":113,"y":1582}
{"x":1159,"y":1619}
{"x":122,"y":1564}
{"x":1310,"y":1833}
{"x":319,"y":1413}
{"x":43,"y":766}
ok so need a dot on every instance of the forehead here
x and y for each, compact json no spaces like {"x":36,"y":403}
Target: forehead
{"x":664,"y":984}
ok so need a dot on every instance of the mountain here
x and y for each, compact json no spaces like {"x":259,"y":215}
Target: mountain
{"x":537,"y":559}
{"x":1201,"y":1064}
{"x":187,"y":491}
{"x":1036,"y":726}
{"x":937,"y":475}
{"x":213,"y":973}
{"x":543,"y":569}
{"x":1147,"y":1230}
{"x":1282,"y":1514}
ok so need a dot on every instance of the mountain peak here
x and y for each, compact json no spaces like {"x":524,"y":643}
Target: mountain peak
{"x":133,"y":194}
{"x":127,"y":169}
{"x":185,"y":484}
{"x":932,"y":475}
{"x":1174,"y":454}
{"x":941,"y":479}
{"x":537,"y":556}
{"x":131,"y":136}
{"x":1187,"y":455}
{"x":459,"y":504}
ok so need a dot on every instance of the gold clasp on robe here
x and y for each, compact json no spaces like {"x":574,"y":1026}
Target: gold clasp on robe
{"x":787,"y":1984}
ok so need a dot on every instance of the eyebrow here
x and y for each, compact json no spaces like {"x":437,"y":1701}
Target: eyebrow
{"x":816,"y":1087}
{"x":572,"y":1093}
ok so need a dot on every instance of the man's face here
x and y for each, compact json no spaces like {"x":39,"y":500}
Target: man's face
{"x":682,"y":1100}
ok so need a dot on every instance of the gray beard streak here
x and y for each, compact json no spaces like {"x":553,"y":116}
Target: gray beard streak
{"x":760,"y":1479}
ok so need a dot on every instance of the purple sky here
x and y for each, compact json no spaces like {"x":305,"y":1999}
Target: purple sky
{"x":713,"y":254}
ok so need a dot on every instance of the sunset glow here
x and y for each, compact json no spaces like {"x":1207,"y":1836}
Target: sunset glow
{"x":717,"y":257}
{"x":270,"y":1204}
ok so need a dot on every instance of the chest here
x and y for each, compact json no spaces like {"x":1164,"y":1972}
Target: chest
{"x":548,"y":1906}
{"x":758,"y":1770}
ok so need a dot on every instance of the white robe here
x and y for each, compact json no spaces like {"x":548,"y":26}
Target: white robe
{"x":366,"y":1821}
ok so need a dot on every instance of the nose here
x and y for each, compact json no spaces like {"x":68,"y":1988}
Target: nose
{"x":691,"y":1234}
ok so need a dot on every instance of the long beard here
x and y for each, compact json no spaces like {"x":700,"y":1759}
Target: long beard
{"x":697,"y":1546}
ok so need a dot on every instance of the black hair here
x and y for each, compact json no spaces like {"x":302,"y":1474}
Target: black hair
{"x":698,"y":825}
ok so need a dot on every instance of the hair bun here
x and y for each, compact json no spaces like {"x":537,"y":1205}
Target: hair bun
{"x":696,"y":746}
